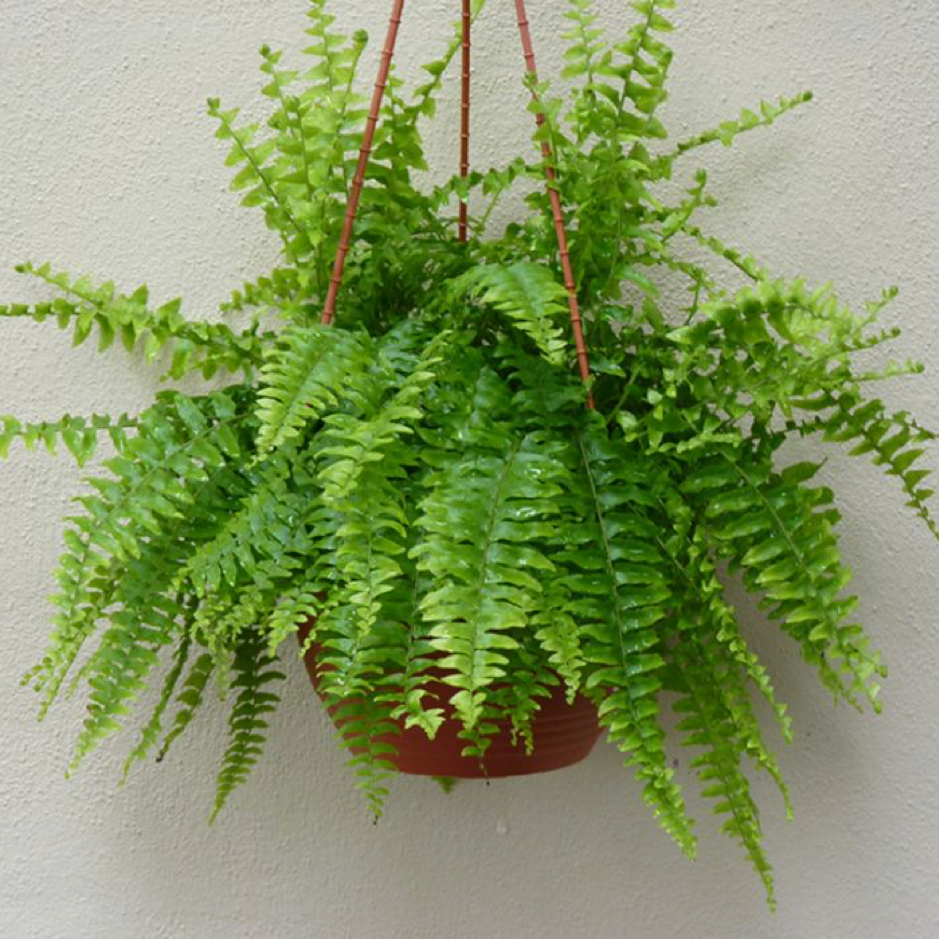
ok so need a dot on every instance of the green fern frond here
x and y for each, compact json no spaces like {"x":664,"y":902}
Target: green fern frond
{"x":277,"y":90}
{"x":178,"y":442}
{"x":300,"y":604}
{"x":708,"y":622}
{"x":306,"y":597}
{"x":647,"y":61}
{"x":328,"y":50}
{"x":79,"y":434}
{"x":246,"y":573}
{"x":744,"y":263}
{"x":363,"y":479}
{"x":363,"y":648}
{"x":369,"y":543}
{"x":417,"y":655}
{"x":470,"y":411}
{"x":748,"y":120}
{"x":425,"y":95}
{"x":543,"y":393}
{"x":151,"y":613}
{"x":119,"y":669}
{"x":367,"y":732}
{"x":781,"y":533}
{"x":331,"y":111}
{"x":622,"y":600}
{"x":766,"y":345}
{"x":559,"y":634}
{"x":307,"y":171}
{"x":189,"y":700}
{"x":707,"y":724}
{"x":531,"y":298}
{"x":194,"y":346}
{"x":255,"y":175}
{"x":306,"y":372}
{"x":275,"y":291}
{"x":892,"y":440}
{"x":532,"y":682}
{"x":254,"y":672}
{"x":243,"y":538}
{"x":481,"y":548}
{"x":354,"y":442}
{"x":151,"y":732}
{"x":585,"y":41}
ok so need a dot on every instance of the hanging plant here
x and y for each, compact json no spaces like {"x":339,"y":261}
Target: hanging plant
{"x":489,"y":479}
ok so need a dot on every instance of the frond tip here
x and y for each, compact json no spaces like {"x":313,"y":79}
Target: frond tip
{"x":254,"y":672}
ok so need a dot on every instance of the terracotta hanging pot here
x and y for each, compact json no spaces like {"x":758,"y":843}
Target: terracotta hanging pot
{"x":564,"y":734}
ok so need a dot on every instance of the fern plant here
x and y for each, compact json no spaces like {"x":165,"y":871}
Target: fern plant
{"x":423,"y":478}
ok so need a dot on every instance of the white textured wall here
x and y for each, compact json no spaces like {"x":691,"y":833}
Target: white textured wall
{"x":108,"y":165}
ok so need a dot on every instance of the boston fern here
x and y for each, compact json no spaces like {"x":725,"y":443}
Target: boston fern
{"x":425,"y":478}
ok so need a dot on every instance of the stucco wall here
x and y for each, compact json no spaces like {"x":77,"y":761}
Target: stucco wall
{"x":107,"y":165}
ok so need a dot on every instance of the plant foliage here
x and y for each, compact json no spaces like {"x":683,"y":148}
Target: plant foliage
{"x":422,"y":483}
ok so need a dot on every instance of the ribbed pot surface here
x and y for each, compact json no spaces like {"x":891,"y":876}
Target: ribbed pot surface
{"x":564,"y":734}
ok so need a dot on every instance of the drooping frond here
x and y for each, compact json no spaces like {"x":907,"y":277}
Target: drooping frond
{"x":175,"y":442}
{"x":529,"y":296}
{"x":363,"y":480}
{"x":151,"y":732}
{"x":189,"y":700}
{"x":152,"y":615}
{"x":305,"y":373}
{"x":705,"y":616}
{"x":780,"y":531}
{"x":367,"y":631}
{"x":620,"y":583}
{"x":179,"y":443}
{"x":533,"y":682}
{"x":559,"y":633}
{"x":262,"y":526}
{"x":254,"y":673}
{"x":708,"y":725}
{"x":120,"y":667}
{"x":711,"y":668}
{"x":415,"y":703}
{"x":305,"y":598}
{"x":893,"y":441}
{"x":367,"y":732}
{"x":481,"y":547}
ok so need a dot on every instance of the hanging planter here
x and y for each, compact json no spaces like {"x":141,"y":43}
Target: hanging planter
{"x":490,"y":479}
{"x":562,"y":733}
{"x":561,"y":728}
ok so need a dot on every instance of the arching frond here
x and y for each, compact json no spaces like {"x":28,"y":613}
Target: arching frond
{"x":304,"y":374}
{"x":529,"y":296}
